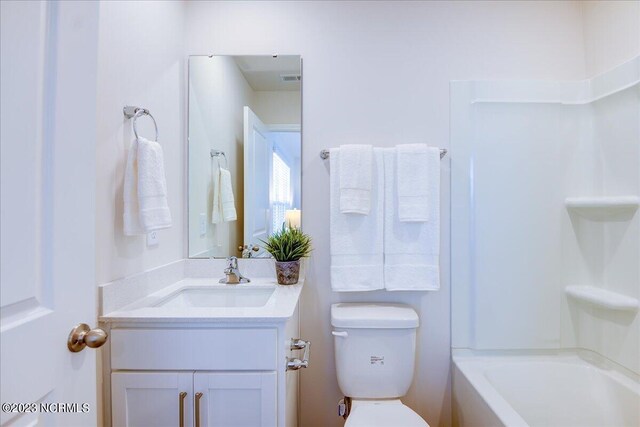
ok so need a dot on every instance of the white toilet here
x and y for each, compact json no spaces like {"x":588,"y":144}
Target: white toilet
{"x":375,"y":347}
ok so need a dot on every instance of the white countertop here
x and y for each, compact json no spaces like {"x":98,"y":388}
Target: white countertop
{"x":280,"y":306}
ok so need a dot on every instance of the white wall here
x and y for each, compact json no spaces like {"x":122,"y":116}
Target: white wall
{"x":379,"y":73}
{"x":611,"y":33}
{"x":280,"y":107}
{"x":141,"y":62}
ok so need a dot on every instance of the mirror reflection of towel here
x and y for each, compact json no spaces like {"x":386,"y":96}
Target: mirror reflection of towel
{"x":223,"y":209}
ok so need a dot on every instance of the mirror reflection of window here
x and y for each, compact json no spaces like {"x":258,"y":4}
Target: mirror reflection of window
{"x":281,"y":190}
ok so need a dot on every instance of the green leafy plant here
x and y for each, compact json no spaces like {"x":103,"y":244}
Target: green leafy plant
{"x":288,"y":244}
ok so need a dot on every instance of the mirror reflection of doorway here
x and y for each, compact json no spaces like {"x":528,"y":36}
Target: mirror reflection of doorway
{"x":272,"y":176}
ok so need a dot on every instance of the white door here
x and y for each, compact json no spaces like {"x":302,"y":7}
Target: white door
{"x":236,"y":399}
{"x":258,"y":157}
{"x":155,"y":399}
{"x":48,"y":115}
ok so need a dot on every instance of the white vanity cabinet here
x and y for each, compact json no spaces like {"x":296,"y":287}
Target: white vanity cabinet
{"x":236,"y":398}
{"x":152,"y":398}
{"x":215,"y":399}
{"x":201,"y":374}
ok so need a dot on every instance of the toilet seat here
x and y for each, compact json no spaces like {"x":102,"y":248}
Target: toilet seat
{"x":382,"y":413}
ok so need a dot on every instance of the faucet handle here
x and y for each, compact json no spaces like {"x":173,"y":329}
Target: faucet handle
{"x":232,"y":262}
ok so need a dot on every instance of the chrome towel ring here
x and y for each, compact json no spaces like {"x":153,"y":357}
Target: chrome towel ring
{"x":134,"y":113}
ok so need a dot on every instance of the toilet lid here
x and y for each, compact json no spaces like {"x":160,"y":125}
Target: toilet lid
{"x":384,"y":415}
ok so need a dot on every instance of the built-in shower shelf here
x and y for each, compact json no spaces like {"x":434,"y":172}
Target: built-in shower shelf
{"x":603,"y":208}
{"x":602,"y":298}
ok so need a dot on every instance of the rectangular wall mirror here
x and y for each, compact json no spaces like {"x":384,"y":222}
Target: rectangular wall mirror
{"x":245,"y":144}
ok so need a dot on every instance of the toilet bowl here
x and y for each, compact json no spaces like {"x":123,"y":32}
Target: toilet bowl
{"x":383,"y":413}
{"x":375,"y":347}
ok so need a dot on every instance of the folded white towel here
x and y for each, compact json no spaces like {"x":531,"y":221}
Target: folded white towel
{"x":226,"y":196}
{"x":411,"y":249}
{"x":131,"y":216}
{"x":152,"y":187}
{"x":355,"y":170}
{"x":356,"y":240}
{"x":413,"y":172}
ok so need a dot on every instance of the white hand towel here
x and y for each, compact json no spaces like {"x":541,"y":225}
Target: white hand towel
{"x":216,"y":207}
{"x":131,"y":216}
{"x":152,"y":187}
{"x":356,"y":240}
{"x":223,"y":209}
{"x":413,"y":172}
{"x":227,"y":200}
{"x":355,"y":170}
{"x":411,"y":249}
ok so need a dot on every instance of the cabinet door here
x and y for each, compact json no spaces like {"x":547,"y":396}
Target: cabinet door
{"x":142,"y":399}
{"x":236,"y":399}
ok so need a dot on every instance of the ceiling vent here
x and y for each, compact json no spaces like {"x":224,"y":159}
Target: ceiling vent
{"x":290,"y":77}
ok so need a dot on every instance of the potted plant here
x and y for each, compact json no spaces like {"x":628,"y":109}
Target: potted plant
{"x":287,"y":246}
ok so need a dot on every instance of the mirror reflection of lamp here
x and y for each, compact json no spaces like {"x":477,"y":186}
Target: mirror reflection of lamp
{"x":292,"y":218}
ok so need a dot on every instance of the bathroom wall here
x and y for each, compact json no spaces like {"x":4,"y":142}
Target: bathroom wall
{"x":217,"y":94}
{"x":378,"y":73}
{"x":277,"y":107}
{"x":610,"y":31}
{"x":141,"y":61}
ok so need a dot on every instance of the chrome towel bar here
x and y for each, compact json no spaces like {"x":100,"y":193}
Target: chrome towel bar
{"x":324,"y":154}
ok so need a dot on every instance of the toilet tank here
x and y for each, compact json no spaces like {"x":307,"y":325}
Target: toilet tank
{"x":375,"y":348}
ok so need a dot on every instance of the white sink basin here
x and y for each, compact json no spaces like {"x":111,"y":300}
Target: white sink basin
{"x":218,"y":296}
{"x":204,"y":299}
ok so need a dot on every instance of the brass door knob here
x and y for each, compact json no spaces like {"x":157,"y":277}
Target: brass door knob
{"x":83,"y":336}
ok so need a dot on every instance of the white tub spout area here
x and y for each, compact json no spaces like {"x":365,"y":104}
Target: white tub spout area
{"x":567,"y":389}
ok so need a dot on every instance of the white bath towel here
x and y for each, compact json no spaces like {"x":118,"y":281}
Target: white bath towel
{"x":411,"y":249}
{"x":145,"y":190}
{"x":223,"y":209}
{"x":355,"y":169}
{"x":356,"y":240}
{"x":152,"y":187}
{"x":413,"y":171}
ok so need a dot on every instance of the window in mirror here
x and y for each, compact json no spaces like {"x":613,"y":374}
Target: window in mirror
{"x":244,"y":151}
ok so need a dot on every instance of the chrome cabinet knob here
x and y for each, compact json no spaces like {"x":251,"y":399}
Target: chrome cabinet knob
{"x":82,"y":336}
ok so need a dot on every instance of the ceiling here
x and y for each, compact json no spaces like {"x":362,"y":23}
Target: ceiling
{"x":263,"y":72}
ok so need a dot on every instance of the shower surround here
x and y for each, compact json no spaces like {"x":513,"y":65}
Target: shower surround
{"x":545,"y":229}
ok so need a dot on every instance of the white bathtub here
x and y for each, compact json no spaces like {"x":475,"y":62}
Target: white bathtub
{"x":552,"y":390}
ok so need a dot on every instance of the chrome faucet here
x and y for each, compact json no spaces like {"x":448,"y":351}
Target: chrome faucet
{"x":232,"y":273}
